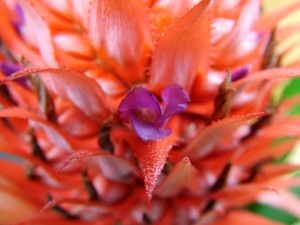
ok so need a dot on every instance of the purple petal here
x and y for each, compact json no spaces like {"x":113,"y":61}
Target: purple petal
{"x":240,"y":73}
{"x":20,"y":18}
{"x":139,"y":99}
{"x":19,"y":12}
{"x":148,"y":131}
{"x":9,"y":68}
{"x":175,"y":100}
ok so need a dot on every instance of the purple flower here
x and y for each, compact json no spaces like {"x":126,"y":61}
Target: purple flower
{"x":20,"y":18}
{"x":8,"y":68}
{"x":240,"y":73}
{"x":147,"y":117}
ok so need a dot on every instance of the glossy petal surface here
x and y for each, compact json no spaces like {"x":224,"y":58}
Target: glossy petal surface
{"x":139,"y":98}
{"x":148,"y":131}
{"x":175,"y":100}
{"x":142,"y":110}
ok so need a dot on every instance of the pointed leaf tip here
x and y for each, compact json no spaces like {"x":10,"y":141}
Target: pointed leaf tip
{"x":121,"y":29}
{"x":204,"y":143}
{"x":83,"y":91}
{"x":183,"y":176}
{"x":184,"y":50}
{"x":151,"y":156}
{"x":40,"y":32}
{"x":269,"y":74}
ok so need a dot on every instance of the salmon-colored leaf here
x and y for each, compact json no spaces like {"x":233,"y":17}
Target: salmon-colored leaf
{"x":83,"y":126}
{"x":110,"y":84}
{"x":250,"y":192}
{"x":113,"y":167}
{"x":151,"y":156}
{"x":241,"y":40}
{"x":183,"y":176}
{"x":52,"y":130}
{"x":116,"y":168}
{"x":262,"y":149}
{"x":78,"y":156}
{"x":14,"y":199}
{"x":122,"y":29}
{"x":247,"y":193}
{"x":289,"y":127}
{"x":51,"y":217}
{"x":61,"y":8}
{"x":83,"y":91}
{"x":184,"y":50}
{"x":273,"y":171}
{"x":164,"y":13}
{"x":211,"y":136}
{"x":80,"y":10}
{"x":40,"y":32}
{"x":270,"y":74}
{"x":11,"y":39}
{"x":74,"y":44}
{"x":22,"y":96}
{"x":8,"y":136}
{"x":21,"y":161}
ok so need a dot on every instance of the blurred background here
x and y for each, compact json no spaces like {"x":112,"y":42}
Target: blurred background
{"x":288,"y":89}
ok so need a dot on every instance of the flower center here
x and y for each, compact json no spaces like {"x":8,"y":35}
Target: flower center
{"x":146,"y":115}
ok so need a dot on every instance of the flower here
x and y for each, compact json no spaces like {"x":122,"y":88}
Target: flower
{"x":142,"y":109}
{"x":9,"y":68}
{"x":240,"y":73}
{"x":146,"y":112}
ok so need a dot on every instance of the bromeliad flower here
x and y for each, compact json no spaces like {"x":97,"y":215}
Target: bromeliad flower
{"x":143,"y":111}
